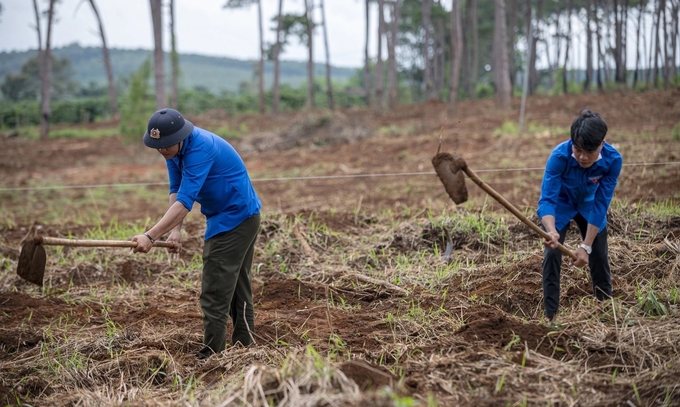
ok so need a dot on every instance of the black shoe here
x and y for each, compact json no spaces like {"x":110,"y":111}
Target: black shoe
{"x":552,"y":323}
{"x":205,"y":353}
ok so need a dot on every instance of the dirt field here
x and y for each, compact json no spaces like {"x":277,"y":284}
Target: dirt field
{"x":354,"y":303}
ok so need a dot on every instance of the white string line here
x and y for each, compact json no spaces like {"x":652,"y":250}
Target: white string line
{"x":314,"y":177}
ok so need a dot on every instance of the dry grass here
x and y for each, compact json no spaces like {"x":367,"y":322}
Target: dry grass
{"x":357,"y":300}
{"x":464,"y":332}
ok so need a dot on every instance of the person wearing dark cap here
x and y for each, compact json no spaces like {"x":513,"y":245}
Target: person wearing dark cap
{"x":204,"y":168}
{"x":578,"y":184}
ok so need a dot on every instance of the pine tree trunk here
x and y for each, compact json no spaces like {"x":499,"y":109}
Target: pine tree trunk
{"x":427,"y":60}
{"x":367,"y":60}
{"x":392,"y":79}
{"x":440,"y":53}
{"x":620,"y":20}
{"x":329,"y":87}
{"x":636,"y":74}
{"x":46,"y":79}
{"x":674,"y":37}
{"x":554,"y":65}
{"x":465,"y":62}
{"x":605,"y":56}
{"x":41,"y":53}
{"x":529,"y":35}
{"x":589,"y":47}
{"x":512,"y":24}
{"x":533,"y":72}
{"x":276,"y":95}
{"x":309,"y":5}
{"x":113,"y":102}
{"x":434,"y":63}
{"x":39,"y":32}
{"x":174,"y":60}
{"x":626,"y":9}
{"x":379,"y":97}
{"x":500,"y":56}
{"x":616,"y":50}
{"x":158,"y":62}
{"x":657,"y":46}
{"x":650,"y":52}
{"x":260,"y":84}
{"x":669,"y":66}
{"x":474,"y":47}
{"x":456,"y":54}
{"x":600,"y":57}
{"x":644,"y":54}
{"x":565,"y":85}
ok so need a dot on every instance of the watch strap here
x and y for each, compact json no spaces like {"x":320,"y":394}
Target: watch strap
{"x":585,"y":247}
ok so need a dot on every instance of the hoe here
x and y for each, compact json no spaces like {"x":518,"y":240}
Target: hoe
{"x":450,"y":171}
{"x":32,"y":259}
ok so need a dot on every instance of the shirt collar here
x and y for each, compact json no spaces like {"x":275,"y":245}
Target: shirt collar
{"x":183,"y":149}
{"x":599,"y":156}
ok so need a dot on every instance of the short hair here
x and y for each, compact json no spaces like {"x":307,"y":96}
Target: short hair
{"x":588,"y":130}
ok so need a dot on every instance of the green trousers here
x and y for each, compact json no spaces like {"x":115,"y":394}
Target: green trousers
{"x":226,"y":286}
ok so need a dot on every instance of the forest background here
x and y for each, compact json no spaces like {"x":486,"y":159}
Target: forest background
{"x":426,"y":50}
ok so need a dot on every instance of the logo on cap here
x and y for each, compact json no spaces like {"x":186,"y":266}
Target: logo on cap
{"x":155,"y":133}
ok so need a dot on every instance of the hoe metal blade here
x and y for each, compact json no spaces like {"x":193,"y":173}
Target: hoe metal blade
{"x":32,"y":260}
{"x":450,"y":171}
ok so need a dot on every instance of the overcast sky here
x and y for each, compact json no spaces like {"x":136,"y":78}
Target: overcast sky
{"x":203,"y":27}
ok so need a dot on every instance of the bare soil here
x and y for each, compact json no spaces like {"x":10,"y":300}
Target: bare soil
{"x":498,"y":303}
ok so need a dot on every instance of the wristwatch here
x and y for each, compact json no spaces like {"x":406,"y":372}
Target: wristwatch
{"x":585,"y":247}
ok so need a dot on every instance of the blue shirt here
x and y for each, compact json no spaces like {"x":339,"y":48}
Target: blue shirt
{"x":209,"y":171}
{"x":569,"y":189}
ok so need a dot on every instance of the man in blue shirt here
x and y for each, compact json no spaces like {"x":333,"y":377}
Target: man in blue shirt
{"x":579,"y":181}
{"x":204,"y":168}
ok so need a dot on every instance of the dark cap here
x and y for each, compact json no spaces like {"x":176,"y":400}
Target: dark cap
{"x":166,"y":128}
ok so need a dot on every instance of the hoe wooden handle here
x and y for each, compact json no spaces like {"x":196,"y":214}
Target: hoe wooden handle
{"x":514,"y":210}
{"x":55,"y":241}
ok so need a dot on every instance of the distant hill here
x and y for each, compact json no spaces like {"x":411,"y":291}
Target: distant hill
{"x":214,"y":73}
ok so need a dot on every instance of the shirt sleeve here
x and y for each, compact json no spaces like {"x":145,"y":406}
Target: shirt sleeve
{"x":174,"y":175}
{"x":605,"y":193}
{"x":552,"y":183}
{"x":197,"y":165}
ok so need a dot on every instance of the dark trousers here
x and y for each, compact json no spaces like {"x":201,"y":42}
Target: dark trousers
{"x":598,"y":262}
{"x":226,"y":286}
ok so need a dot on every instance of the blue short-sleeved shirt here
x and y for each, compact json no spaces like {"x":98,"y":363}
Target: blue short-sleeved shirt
{"x":569,"y":189}
{"x":209,"y":171}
